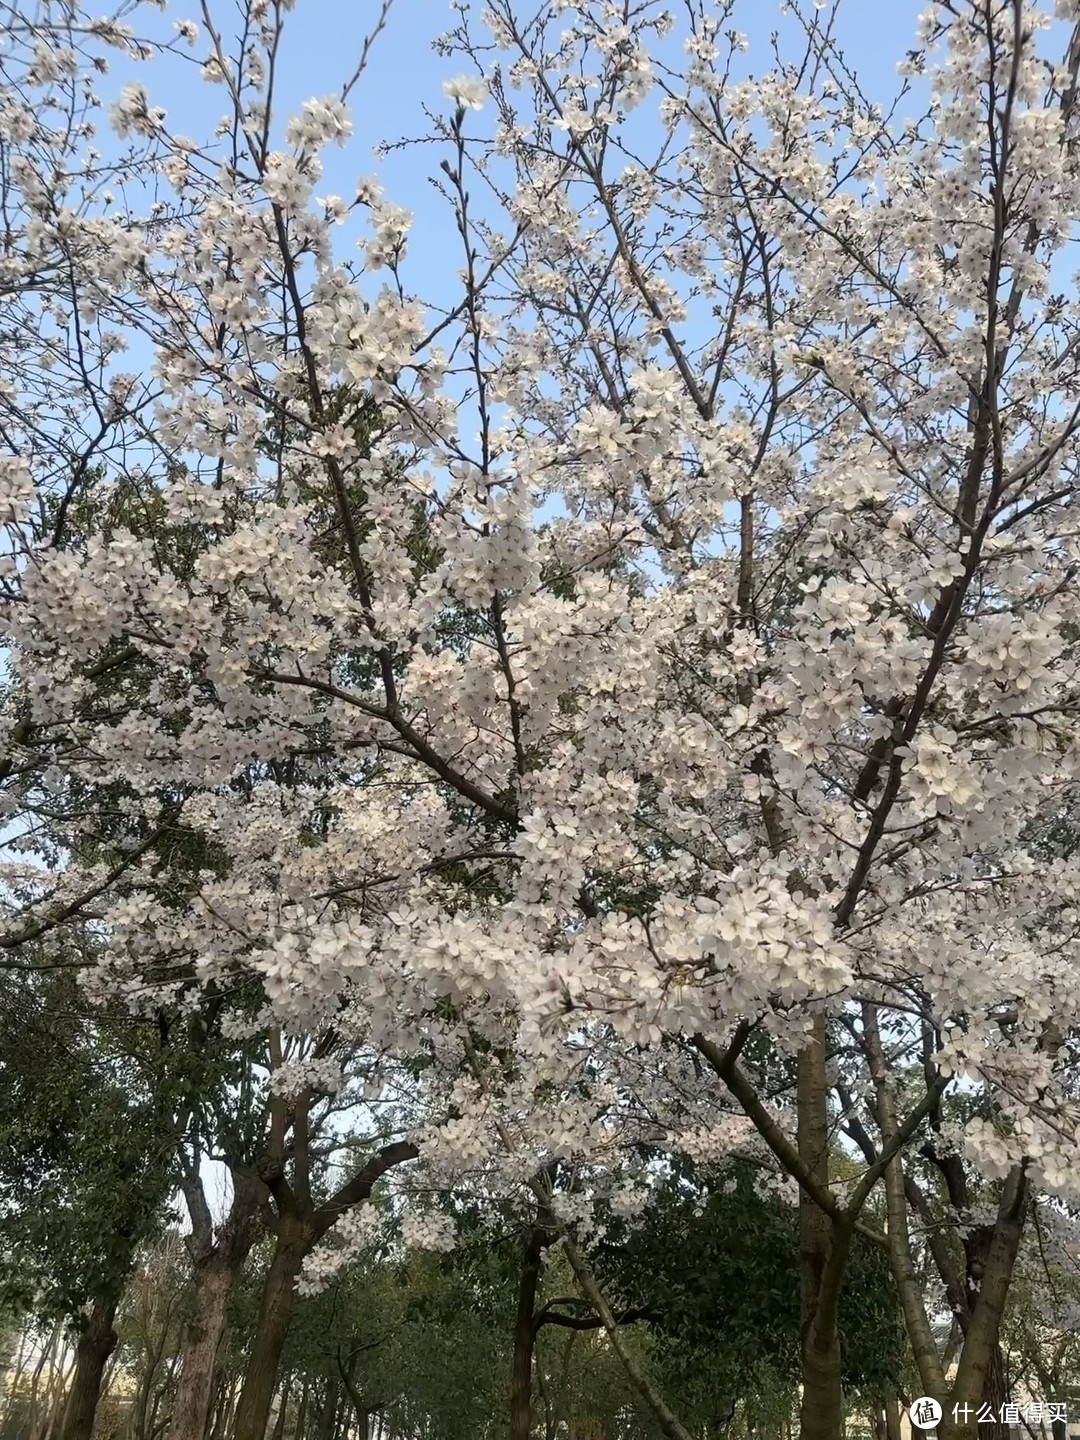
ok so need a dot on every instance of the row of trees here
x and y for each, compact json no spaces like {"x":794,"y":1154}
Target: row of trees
{"x":121,"y":1319}
{"x":121,"y":1324}
{"x":583,"y":761}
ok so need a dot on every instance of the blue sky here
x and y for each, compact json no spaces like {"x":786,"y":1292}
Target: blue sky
{"x":324,"y":37}
{"x":405,"y":74}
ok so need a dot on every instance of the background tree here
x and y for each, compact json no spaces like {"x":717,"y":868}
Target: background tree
{"x":86,"y":1141}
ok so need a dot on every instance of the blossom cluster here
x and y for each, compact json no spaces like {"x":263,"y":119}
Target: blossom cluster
{"x":670,"y":640}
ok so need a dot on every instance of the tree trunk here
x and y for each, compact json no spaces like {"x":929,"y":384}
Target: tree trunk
{"x":892,"y":1418}
{"x":301,"y":1413}
{"x":995,"y":1394}
{"x":51,"y":1424}
{"x":140,"y":1407}
{"x":46,"y":1354}
{"x":328,"y":1413}
{"x":525,"y":1339}
{"x":14,"y":1380}
{"x":155,"y":1427}
{"x":217,"y":1405}
{"x":821,"y":1414}
{"x":995,"y":1255}
{"x":97,"y":1341}
{"x":226,"y":1395}
{"x":950,"y":1430}
{"x":283,"y":1406}
{"x":272,"y":1326}
{"x":215,"y":1276}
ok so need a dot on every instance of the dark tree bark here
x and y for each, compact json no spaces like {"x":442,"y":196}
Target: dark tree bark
{"x":328,"y":1414}
{"x":302,"y":1409}
{"x":299,"y":1226}
{"x":271,"y":1329}
{"x":193,"y":1407}
{"x":218,"y":1261}
{"x":525,"y":1338}
{"x":892,"y":1418}
{"x":995,"y":1394}
{"x":97,"y":1341}
{"x":224,"y":1389}
{"x":283,"y":1406}
{"x":821,"y":1415}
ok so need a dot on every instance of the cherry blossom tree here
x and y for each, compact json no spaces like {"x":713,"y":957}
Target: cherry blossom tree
{"x":666,"y":647}
{"x":1042,"y":1331}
